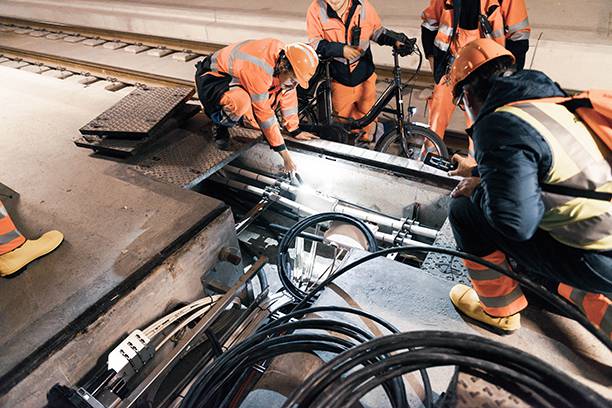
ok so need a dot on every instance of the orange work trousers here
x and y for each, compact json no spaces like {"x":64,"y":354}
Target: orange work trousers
{"x":355,"y":101}
{"x":10,"y":237}
{"x":501,"y":295}
{"x":441,"y":108}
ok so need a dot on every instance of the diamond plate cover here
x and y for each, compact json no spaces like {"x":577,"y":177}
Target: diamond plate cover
{"x":193,"y":156}
{"x":445,"y":266}
{"x":138,"y":113}
{"x":123,"y":148}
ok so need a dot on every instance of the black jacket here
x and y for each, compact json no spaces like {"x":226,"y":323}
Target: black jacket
{"x":513,"y":158}
{"x":341,"y":72}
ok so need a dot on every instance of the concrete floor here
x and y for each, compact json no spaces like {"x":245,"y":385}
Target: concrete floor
{"x":413,"y":300}
{"x":117,"y":223}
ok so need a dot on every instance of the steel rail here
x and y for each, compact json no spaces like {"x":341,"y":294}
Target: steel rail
{"x":423,"y":80}
{"x":126,"y":75}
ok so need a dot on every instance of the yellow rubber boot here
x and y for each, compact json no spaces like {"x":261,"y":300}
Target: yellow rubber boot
{"x":30,"y":250}
{"x":466,"y":300}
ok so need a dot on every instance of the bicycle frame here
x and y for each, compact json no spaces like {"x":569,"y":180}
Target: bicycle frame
{"x":394,"y":90}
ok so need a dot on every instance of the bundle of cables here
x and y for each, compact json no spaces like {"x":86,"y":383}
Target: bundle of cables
{"x":283,"y":261}
{"x":220,"y":385}
{"x":351,"y":375}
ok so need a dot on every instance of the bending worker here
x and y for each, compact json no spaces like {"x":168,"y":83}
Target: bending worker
{"x":342,"y":30}
{"x":448,"y":25}
{"x":536,"y":162}
{"x":16,"y":251}
{"x":245,"y":82}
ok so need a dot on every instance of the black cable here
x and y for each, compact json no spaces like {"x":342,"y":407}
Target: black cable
{"x":300,"y":313}
{"x":536,"y":288}
{"x":284,"y":260}
{"x":225,"y":368}
{"x":439,"y":348}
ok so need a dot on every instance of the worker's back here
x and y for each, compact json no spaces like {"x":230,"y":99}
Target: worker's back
{"x":516,"y":128}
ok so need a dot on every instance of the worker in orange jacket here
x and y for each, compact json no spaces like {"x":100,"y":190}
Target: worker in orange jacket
{"x":342,"y":30}
{"x":16,"y":251}
{"x":247,"y":81}
{"x":444,"y":35}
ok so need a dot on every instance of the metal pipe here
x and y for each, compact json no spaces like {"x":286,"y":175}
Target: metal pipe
{"x":386,"y":221}
{"x":364,"y":215}
{"x":253,"y":214}
{"x":261,"y":178}
{"x":372,"y":218}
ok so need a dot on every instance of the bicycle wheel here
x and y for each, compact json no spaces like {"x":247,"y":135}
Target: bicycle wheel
{"x":417,"y":135}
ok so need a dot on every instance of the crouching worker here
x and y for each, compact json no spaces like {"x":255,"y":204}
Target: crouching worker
{"x":246,"y":82}
{"x":537,"y":192}
{"x":16,"y":252}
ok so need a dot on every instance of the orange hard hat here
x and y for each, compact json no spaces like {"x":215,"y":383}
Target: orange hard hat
{"x":474,"y":55}
{"x":304,"y":61}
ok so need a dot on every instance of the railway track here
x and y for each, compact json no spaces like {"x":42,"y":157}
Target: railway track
{"x":191,"y":49}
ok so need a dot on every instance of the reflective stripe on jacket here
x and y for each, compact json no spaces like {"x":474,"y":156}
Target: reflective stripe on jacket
{"x":577,"y":162}
{"x":438,"y":16}
{"x":516,"y":22}
{"x":251,"y":64}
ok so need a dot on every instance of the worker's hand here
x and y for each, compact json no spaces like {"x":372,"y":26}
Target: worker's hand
{"x":351,"y":53}
{"x":305,"y":136}
{"x":288,"y":164}
{"x":465,"y":165}
{"x":466,"y":187}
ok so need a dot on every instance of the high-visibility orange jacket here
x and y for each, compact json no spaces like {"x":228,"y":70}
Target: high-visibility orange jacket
{"x":328,"y":33}
{"x":251,"y":64}
{"x":508,"y":20}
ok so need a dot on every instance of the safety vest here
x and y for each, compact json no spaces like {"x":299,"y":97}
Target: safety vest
{"x":320,"y":26}
{"x":251,"y":65}
{"x":578,"y":161}
{"x":439,"y":17}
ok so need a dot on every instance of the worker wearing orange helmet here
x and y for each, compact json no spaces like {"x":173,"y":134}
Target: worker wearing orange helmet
{"x":247,"y":81}
{"x":448,"y":25}
{"x":342,"y":30}
{"x":16,"y":252}
{"x":538,"y":192}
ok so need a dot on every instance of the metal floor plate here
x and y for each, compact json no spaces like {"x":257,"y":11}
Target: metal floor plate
{"x":193,"y":156}
{"x":124,"y":148}
{"x":138,"y":113}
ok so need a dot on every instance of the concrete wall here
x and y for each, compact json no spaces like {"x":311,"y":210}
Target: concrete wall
{"x":176,"y":280}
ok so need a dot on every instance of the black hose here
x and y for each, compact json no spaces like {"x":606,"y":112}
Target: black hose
{"x":283,"y":259}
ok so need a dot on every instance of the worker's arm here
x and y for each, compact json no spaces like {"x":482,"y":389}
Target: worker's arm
{"x":517,"y":29}
{"x":509,"y":191}
{"x":257,"y":82}
{"x":316,"y":35}
{"x":429,"y":27}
